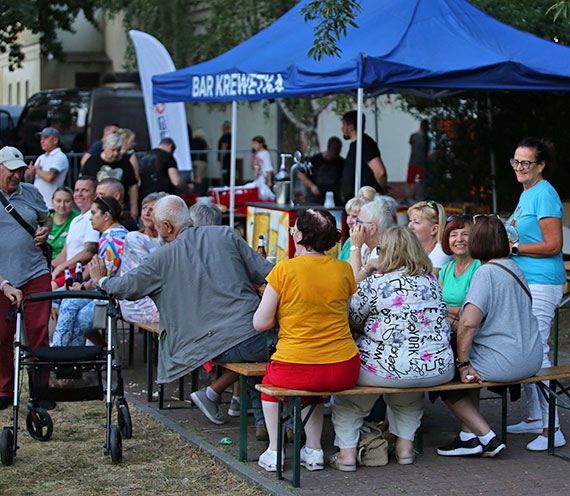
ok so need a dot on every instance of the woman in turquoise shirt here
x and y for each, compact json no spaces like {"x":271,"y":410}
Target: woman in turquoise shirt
{"x":455,"y":276}
{"x":535,"y":235}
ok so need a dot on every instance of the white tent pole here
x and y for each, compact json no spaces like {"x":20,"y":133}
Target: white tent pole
{"x":358,"y":165}
{"x":233,"y":165}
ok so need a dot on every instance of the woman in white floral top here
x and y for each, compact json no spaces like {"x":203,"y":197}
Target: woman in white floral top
{"x":405,"y":344}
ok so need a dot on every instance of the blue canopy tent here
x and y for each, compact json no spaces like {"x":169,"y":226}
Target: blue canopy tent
{"x":426,"y":47}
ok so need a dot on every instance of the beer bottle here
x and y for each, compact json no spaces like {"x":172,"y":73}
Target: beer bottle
{"x":79,"y":272}
{"x":261,"y":246}
{"x":68,"y":278}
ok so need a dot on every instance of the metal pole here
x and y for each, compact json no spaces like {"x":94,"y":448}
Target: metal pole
{"x":492,"y":156}
{"x":358,"y":165}
{"x":376,"y":118}
{"x":233,"y":165}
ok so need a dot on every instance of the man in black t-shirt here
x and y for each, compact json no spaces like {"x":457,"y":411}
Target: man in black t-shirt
{"x":159,"y":172}
{"x":111,"y":163}
{"x":325,"y":174}
{"x":373,"y":171}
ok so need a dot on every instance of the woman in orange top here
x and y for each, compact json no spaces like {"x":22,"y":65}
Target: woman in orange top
{"x":308,"y":296}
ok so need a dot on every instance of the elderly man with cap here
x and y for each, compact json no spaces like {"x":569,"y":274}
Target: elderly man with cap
{"x":49,"y":170}
{"x":22,"y":262}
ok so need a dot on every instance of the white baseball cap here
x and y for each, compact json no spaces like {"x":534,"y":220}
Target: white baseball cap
{"x":12,"y":158}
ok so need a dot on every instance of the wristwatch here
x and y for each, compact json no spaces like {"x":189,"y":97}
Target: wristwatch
{"x":459,"y":364}
{"x":515,"y":249}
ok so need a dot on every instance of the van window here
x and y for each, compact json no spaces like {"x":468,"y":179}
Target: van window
{"x":124,"y":106}
{"x":63,"y":109}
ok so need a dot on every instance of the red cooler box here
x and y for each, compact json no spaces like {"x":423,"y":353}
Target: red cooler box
{"x":242,"y":196}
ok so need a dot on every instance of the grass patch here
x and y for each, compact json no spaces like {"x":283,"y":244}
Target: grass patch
{"x":71,"y":463}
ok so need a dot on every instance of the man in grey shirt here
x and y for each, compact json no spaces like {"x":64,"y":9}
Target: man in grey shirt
{"x":201,"y":282}
{"x":22,"y":263}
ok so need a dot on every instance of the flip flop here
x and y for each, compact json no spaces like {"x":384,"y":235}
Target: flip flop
{"x":406,"y":461}
{"x":334,"y":463}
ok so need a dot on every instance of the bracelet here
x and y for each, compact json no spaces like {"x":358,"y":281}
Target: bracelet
{"x":3,"y":283}
{"x":354,"y":248}
{"x":367,"y":272}
{"x":459,"y":364}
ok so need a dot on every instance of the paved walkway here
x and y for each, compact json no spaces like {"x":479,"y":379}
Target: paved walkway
{"x":515,"y":471}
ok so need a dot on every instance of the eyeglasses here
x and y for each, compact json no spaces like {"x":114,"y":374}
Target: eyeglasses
{"x":458,"y":216}
{"x":432,"y":204}
{"x":525,"y":163}
{"x":478,"y":216}
{"x":358,"y":221}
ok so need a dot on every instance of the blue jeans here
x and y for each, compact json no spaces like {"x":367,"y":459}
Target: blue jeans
{"x":255,"y":349}
{"x":74,"y":321}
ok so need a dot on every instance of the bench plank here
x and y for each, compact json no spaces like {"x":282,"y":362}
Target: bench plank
{"x":546,"y":374}
{"x":249,"y":369}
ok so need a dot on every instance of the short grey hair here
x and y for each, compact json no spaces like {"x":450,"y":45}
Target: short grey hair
{"x":205,"y":214}
{"x":381,"y":211}
{"x":173,"y":209}
{"x":152,"y":197}
{"x":113,"y":140}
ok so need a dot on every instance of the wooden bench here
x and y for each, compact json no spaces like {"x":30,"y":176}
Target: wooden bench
{"x":245,"y":370}
{"x":554,"y":391}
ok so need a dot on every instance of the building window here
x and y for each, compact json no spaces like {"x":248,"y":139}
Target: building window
{"x":27,"y":90}
{"x":10,"y":94}
{"x":87,"y":79}
{"x":18,"y":93}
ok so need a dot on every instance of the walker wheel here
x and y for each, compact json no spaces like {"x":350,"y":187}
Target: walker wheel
{"x":124,"y":419}
{"x":116,"y":444}
{"x":39,"y":424}
{"x":6,"y":442}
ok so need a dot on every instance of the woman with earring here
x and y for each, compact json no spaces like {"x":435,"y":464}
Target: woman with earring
{"x":535,"y":236}
{"x":76,"y":315}
{"x":427,"y":221}
{"x":308,"y":296}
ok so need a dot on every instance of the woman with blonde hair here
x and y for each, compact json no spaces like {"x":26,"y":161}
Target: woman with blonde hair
{"x":365,"y":194}
{"x":128,"y":149}
{"x":427,"y":221}
{"x":405,"y":344}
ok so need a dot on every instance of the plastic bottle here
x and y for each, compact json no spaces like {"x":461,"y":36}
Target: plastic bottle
{"x":78,"y":272}
{"x":283,"y":174}
{"x":261,"y":246}
{"x":68,"y":278}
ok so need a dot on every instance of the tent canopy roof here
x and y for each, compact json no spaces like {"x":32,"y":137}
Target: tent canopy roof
{"x":415,"y":46}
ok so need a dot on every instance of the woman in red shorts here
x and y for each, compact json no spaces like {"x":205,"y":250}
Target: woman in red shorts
{"x":308,"y":296}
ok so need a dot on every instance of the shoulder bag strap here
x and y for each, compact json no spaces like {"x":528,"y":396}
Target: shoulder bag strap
{"x":14,"y":213}
{"x":515,"y":276}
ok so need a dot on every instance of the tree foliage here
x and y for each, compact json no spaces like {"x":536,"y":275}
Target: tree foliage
{"x":467,"y":127}
{"x":332,"y":20}
{"x":43,"y":17}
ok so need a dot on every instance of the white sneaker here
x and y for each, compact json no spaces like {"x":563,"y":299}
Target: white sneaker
{"x":312,"y":459}
{"x":524,"y":427}
{"x":541,"y":442}
{"x":268,"y":460}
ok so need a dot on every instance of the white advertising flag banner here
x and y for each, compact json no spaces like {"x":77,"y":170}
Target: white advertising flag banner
{"x":165,"y":120}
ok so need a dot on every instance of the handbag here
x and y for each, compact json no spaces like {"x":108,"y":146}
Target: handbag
{"x":372,"y":448}
{"x":46,"y":248}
